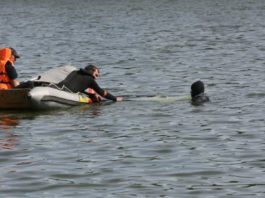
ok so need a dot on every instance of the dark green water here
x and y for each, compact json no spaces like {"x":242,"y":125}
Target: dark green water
{"x":158,"y":147}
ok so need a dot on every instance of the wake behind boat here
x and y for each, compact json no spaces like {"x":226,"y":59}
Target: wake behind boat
{"x":43,"y":94}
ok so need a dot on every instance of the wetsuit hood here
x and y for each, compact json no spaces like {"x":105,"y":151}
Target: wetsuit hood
{"x":197,"y":88}
{"x":84,"y":71}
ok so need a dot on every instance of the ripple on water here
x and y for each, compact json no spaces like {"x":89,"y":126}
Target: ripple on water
{"x":144,"y":147}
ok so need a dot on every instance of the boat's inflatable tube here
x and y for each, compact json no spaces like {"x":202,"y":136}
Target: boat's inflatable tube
{"x":46,"y":95}
{"x":52,"y":97}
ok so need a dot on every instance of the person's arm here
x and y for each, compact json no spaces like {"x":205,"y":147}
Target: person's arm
{"x":15,"y":83}
{"x":12,"y":74}
{"x":104,"y":93}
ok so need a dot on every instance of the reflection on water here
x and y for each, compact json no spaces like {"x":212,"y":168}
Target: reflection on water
{"x":8,"y":122}
{"x":8,"y":140}
{"x":95,"y":109}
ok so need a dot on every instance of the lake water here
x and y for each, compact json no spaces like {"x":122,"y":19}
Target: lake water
{"x":145,"y":147}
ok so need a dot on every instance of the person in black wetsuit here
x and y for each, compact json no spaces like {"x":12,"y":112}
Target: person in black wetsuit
{"x":84,"y":81}
{"x":198,"y":96}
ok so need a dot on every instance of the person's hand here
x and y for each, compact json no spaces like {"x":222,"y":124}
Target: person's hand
{"x":119,"y":99}
{"x":98,"y":98}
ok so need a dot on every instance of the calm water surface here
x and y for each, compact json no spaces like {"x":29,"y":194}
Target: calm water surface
{"x":147,"y":147}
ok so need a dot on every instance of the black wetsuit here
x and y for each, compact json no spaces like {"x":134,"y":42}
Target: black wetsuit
{"x":80,"y":80}
{"x":200,"y":99}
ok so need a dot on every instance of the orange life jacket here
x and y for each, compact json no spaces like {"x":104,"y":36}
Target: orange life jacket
{"x":5,"y":56}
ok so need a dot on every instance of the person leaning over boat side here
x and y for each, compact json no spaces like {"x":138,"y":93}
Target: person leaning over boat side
{"x":198,"y":96}
{"x":84,"y":80}
{"x":8,"y":73}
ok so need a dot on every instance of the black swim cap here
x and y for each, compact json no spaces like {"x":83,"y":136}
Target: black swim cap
{"x":197,"y":88}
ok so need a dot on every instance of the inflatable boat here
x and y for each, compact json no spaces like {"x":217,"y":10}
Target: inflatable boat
{"x":43,"y":93}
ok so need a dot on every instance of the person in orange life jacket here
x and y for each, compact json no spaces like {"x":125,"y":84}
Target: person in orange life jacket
{"x":84,"y":80}
{"x":8,"y":74}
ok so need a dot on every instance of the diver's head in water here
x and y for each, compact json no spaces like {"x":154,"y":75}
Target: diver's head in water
{"x":197,"y":88}
{"x":197,"y":93}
